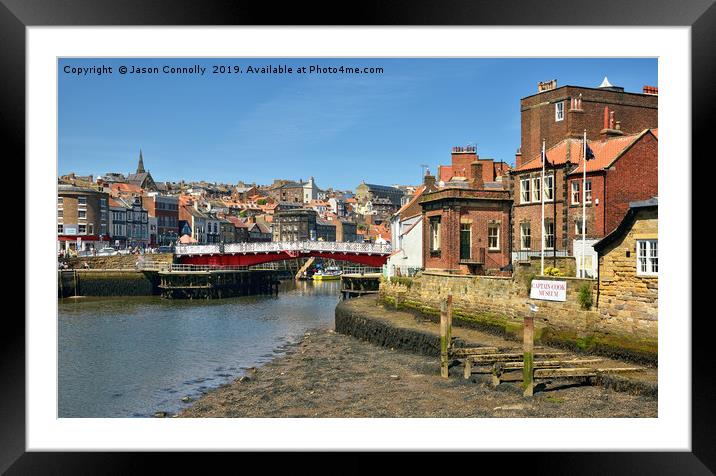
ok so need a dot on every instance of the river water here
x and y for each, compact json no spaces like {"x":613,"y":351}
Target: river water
{"x":132,"y":357}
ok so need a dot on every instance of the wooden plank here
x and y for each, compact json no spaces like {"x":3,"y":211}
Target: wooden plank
{"x":563,"y":372}
{"x":619,"y":369}
{"x":468,"y":351}
{"x":507,"y":357}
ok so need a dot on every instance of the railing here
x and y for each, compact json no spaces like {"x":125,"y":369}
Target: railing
{"x":408,"y":271}
{"x":279,"y":246}
{"x":361,"y":270}
{"x":526,"y":255}
{"x":168,"y":267}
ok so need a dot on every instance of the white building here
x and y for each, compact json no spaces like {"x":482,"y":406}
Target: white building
{"x":406,"y":228}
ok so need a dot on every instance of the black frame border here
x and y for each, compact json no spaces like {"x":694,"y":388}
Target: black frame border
{"x":700,"y":15}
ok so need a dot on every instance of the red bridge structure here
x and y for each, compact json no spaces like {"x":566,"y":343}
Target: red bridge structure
{"x":249,"y":254}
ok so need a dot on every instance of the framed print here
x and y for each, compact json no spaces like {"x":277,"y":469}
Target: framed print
{"x":264,"y":223}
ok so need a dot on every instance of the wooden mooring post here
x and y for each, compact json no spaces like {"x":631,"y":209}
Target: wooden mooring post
{"x":528,"y":346}
{"x":445,"y":334}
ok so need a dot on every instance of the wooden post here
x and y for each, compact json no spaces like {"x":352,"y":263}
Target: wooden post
{"x":528,"y":370}
{"x":468,"y":367}
{"x":449,"y":322}
{"x":443,"y":339}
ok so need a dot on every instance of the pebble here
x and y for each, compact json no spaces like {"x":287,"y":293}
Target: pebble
{"x":244,"y":379}
{"x":186,"y":399}
{"x":394,"y":377}
{"x":160,"y":414}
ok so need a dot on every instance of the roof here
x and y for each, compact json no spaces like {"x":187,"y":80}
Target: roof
{"x":627,"y":222}
{"x":606,"y":152}
{"x":385,"y":188}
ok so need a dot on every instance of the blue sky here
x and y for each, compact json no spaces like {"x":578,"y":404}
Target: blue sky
{"x":339,"y":128}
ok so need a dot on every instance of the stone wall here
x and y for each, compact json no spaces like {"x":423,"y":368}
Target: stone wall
{"x":107,"y":283}
{"x":116,"y":261}
{"x":498,"y":304}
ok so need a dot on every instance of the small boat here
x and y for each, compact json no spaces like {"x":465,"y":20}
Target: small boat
{"x":332,"y":272}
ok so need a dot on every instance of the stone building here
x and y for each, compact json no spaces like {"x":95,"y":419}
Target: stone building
{"x":295,"y":225}
{"x":556,"y":113}
{"x":466,"y":228}
{"x":366,"y":192}
{"x":628,"y":289}
{"x":82,"y":218}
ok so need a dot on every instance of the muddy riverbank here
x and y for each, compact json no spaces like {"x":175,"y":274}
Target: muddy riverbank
{"x":328,"y":374}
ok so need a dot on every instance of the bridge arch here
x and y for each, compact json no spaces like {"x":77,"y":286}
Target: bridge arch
{"x":249,"y":254}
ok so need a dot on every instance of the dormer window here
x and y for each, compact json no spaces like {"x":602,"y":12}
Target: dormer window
{"x":559,"y":111}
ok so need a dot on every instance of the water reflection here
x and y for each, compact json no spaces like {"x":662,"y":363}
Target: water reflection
{"x":123,"y":357}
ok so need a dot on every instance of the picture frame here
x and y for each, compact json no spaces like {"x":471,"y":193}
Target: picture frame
{"x":16,"y":16}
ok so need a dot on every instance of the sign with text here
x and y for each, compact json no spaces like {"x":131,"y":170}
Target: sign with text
{"x":549,"y":290}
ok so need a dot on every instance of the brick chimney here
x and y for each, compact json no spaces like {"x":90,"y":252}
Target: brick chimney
{"x":476,"y":172}
{"x":651,"y":90}
{"x":429,"y":181}
{"x":518,"y":157}
{"x":611,"y":128}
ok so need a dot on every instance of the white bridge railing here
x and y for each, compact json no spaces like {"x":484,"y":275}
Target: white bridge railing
{"x":279,"y":246}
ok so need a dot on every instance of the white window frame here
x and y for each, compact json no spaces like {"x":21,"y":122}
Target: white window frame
{"x":493,"y":226}
{"x":60,"y":228}
{"x":536,"y":190}
{"x":576,"y":192}
{"x":554,"y":238}
{"x":523,"y":235}
{"x":79,"y":214}
{"x":650,"y":262}
{"x":588,"y":192}
{"x":559,"y":111}
{"x":548,"y":178}
{"x":435,"y":234}
{"x":528,"y":190}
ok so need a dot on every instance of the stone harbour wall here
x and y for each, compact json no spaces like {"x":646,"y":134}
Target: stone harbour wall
{"x":116,"y":261}
{"x":498,"y":304}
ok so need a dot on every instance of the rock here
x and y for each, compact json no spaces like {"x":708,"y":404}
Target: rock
{"x":160,"y":414}
{"x":244,"y":379}
{"x":516,"y":406}
{"x":394,"y":377}
{"x":187,"y":399}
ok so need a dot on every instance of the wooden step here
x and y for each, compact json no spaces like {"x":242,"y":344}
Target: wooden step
{"x":509,"y":357}
{"x":468,"y":351}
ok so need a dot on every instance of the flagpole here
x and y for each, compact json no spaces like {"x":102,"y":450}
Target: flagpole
{"x":584,"y":203}
{"x":541,"y":195}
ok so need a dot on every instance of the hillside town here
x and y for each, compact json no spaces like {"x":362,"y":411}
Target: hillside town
{"x":473,"y":215}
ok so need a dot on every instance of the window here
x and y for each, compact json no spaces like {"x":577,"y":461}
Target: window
{"x":549,"y":235}
{"x":435,"y":234}
{"x":82,"y":201}
{"x":525,"y":236}
{"x":493,"y":237}
{"x":60,"y":201}
{"x":525,"y":188}
{"x":82,"y":229}
{"x":549,"y":187}
{"x":647,"y":258}
{"x":60,"y":213}
{"x":559,"y":111}
{"x":103,"y":202}
{"x":60,"y":228}
{"x":578,"y":227}
{"x":575,"y":193}
{"x":82,"y":214}
{"x":588,"y":191}
{"x":536,"y":189}
{"x":91,"y":229}
{"x":465,"y":240}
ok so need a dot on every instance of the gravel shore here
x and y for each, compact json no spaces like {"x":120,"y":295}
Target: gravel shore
{"x":333,"y":375}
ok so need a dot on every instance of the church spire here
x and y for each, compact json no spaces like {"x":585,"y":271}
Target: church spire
{"x":140,"y":165}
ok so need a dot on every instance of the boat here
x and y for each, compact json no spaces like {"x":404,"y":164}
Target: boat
{"x":332,"y":272}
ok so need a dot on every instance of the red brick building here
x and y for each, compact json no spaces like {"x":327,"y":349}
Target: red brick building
{"x":555,"y":114}
{"x":625,"y":169}
{"x":466,"y":224}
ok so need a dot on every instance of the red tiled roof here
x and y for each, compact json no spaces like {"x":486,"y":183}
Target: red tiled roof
{"x":605,"y":153}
